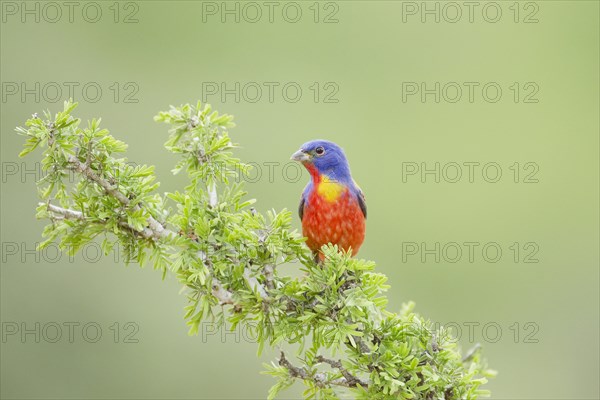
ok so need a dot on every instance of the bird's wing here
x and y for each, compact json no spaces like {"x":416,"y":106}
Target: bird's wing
{"x":305,"y":194}
{"x":361,"y":202}
{"x":301,"y":208}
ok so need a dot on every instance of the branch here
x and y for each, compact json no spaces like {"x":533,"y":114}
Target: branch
{"x":471,"y":353}
{"x":269,"y":271}
{"x":222,"y":294}
{"x":66,"y":213}
{"x":268,"y":268}
{"x":351,"y":380}
{"x":255,"y":285}
{"x":63,"y":212}
{"x":86,"y":171}
{"x":157,"y":231}
{"x":212,"y":195}
{"x":362,"y":346}
{"x":319,"y":379}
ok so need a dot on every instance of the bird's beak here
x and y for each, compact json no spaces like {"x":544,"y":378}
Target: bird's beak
{"x":300,"y":156}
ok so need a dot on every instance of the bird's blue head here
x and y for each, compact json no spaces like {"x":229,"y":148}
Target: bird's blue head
{"x":322,"y":157}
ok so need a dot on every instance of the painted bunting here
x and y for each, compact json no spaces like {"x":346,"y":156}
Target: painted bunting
{"x":332,"y":208}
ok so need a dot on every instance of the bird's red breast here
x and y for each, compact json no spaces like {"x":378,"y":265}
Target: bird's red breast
{"x":333,"y":215}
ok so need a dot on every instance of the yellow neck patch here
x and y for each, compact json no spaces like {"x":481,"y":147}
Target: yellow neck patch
{"x":329,"y":190}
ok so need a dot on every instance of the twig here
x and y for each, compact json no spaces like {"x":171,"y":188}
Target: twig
{"x":212,"y":195}
{"x":255,"y":284}
{"x":362,"y":346}
{"x":319,"y":379}
{"x":268,"y":268}
{"x":351,"y":380}
{"x":158,"y":231}
{"x":224,"y":296}
{"x":87,"y":172}
{"x":66,"y":213}
{"x":296,"y":372}
{"x":471,"y":353}
{"x":269,"y":271}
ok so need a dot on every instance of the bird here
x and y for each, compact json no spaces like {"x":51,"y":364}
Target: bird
{"x":332,"y":206}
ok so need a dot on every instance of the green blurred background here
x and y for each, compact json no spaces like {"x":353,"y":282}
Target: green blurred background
{"x":547,"y":311}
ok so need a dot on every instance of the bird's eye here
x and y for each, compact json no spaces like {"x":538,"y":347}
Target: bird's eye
{"x":320,"y":151}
